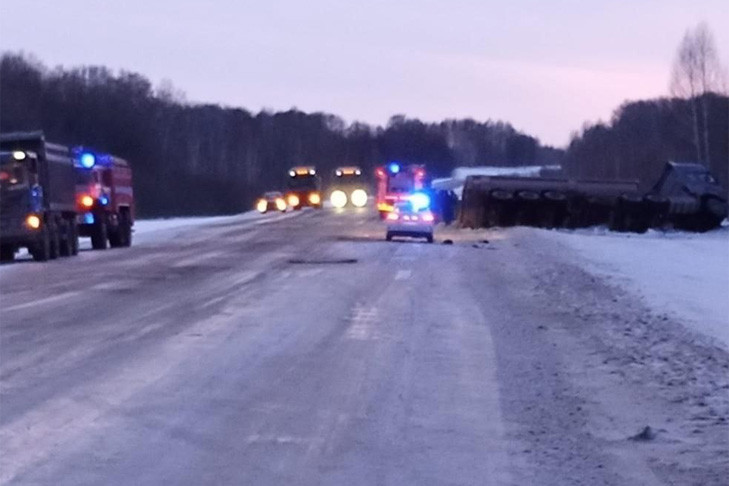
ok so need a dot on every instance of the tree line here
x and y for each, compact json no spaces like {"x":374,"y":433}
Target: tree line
{"x":207,"y":159}
{"x":690,"y":126}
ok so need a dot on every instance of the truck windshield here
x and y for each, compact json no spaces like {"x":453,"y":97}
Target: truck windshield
{"x":13,"y":174}
{"x":302,"y":182}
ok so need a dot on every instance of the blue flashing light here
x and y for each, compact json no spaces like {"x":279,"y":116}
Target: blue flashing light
{"x":88,"y":218}
{"x":419,"y":200}
{"x":87,"y":160}
{"x":394,"y":167}
{"x":104,"y":200}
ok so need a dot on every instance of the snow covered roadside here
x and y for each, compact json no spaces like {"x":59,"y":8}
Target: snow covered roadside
{"x":683,"y":274}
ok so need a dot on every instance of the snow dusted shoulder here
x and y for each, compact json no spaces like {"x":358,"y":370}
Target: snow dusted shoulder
{"x":683,"y":274}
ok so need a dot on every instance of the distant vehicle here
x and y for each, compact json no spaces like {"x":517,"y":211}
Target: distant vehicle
{"x":410,"y":219}
{"x":105,"y":198}
{"x":303,"y":188}
{"x":397,"y":183}
{"x":271,"y":201}
{"x":37,"y":197}
{"x":348,"y":188}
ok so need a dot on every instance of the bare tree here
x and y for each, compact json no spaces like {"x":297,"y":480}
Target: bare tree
{"x":696,"y":72}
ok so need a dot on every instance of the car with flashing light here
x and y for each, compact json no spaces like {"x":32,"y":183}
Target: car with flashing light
{"x":37,"y":197}
{"x":271,"y":201}
{"x":303,"y":188}
{"x":348,"y":188}
{"x":104,"y":198}
{"x":411,"y":219}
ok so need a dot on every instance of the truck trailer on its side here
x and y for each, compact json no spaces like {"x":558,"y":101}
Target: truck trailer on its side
{"x":686,"y":197}
{"x":37,"y":197}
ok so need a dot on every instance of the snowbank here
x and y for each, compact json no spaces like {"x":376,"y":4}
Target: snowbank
{"x":679,"y":273}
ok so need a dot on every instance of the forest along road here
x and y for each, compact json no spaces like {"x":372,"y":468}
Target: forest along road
{"x":303,"y":349}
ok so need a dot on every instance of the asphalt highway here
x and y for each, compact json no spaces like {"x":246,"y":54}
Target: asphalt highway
{"x":304,"y":349}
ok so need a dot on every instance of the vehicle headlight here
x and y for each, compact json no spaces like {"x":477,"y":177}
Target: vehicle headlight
{"x":359,"y":198}
{"x":293,"y":200}
{"x":262,"y":205}
{"x":33,"y":221}
{"x":314,"y":198}
{"x":87,"y":201}
{"x":338,"y":199}
{"x":280,"y":204}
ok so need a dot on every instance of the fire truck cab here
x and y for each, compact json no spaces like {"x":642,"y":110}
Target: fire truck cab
{"x":397,"y":183}
{"x":105,"y":198}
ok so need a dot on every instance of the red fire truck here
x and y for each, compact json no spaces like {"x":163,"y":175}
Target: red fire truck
{"x":398,"y":183}
{"x":105,"y":198}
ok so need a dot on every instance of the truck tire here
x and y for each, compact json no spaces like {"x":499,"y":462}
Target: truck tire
{"x":99,"y":234}
{"x":125,"y":229}
{"x":41,"y":250}
{"x":55,"y":241}
{"x":7,"y":253}
{"x":74,"y":237}
{"x":115,"y":236}
{"x":66,"y":237}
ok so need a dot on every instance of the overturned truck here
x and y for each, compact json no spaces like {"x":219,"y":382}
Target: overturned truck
{"x":686,"y":196}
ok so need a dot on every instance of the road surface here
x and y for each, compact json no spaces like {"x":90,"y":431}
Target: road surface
{"x":303,"y":349}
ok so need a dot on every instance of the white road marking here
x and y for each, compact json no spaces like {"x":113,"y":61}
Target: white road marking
{"x":362,"y":323}
{"x":39,"y":302}
{"x":403,"y":274}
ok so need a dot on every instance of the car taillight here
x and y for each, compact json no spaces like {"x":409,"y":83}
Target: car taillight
{"x":392,"y":216}
{"x":428,"y":217}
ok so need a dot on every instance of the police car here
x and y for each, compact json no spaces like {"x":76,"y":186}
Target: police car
{"x":412,"y":218}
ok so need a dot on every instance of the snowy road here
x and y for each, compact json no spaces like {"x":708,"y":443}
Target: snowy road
{"x":303,"y":349}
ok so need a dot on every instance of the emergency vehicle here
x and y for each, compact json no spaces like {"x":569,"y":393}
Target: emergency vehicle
{"x":397,"y":183}
{"x":348,"y":188}
{"x":105,"y":198}
{"x":303,"y":188}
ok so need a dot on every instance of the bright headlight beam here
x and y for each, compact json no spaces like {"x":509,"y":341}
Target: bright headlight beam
{"x":338,"y":199}
{"x":359,"y":198}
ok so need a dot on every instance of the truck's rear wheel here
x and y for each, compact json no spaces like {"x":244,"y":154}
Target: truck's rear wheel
{"x":41,"y":250}
{"x":74,"y":237}
{"x":55,"y":241}
{"x":99,"y":234}
{"x":125,"y":229}
{"x":66,"y":240}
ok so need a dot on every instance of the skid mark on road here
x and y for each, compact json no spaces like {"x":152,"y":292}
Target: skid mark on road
{"x":362,"y":323}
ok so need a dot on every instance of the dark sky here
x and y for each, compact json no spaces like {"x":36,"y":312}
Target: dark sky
{"x":545,"y":66}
